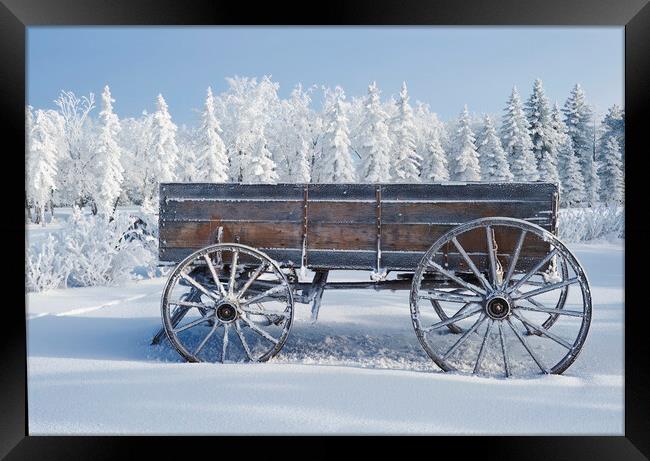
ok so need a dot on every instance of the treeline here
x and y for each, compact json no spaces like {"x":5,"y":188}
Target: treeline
{"x":250,"y":134}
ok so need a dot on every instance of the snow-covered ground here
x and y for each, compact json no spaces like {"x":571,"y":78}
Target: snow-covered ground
{"x":360,"y":369}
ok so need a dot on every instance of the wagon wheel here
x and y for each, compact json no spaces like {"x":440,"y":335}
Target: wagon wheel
{"x":227,"y":303}
{"x":548,"y":323}
{"x":522,"y":279}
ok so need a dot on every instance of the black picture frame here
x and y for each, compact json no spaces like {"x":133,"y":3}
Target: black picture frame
{"x":16,"y":15}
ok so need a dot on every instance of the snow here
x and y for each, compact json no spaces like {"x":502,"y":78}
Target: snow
{"x":360,"y":369}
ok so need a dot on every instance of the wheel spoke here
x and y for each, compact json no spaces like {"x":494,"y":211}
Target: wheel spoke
{"x":551,"y":311}
{"x":527,"y":347}
{"x":243,"y":340}
{"x":269,"y":292}
{"x":481,"y":351}
{"x":543,"y":331}
{"x":492,"y":255}
{"x":533,"y":271}
{"x":191,"y":304}
{"x":456,"y":279}
{"x":251,"y":279}
{"x":213,"y":271}
{"x":205,"y":340}
{"x":199,"y":287}
{"x":503,"y":350}
{"x":193,"y":323}
{"x":546,"y":289}
{"x":259,"y":331}
{"x":265,"y":313}
{"x":233,"y":271}
{"x":460,"y":315}
{"x":470,"y":263}
{"x":226,"y":327}
{"x":453,"y":298}
{"x":465,"y":336}
{"x":515,"y":258}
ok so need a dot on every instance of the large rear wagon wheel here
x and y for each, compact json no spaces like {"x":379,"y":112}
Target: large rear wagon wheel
{"x":501,"y":307}
{"x":227,"y":303}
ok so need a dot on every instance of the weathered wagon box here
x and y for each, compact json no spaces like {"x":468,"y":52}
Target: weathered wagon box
{"x":348,"y":226}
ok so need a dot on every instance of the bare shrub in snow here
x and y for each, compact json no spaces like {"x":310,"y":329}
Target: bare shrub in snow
{"x":583,"y":224}
{"x":45,"y":266}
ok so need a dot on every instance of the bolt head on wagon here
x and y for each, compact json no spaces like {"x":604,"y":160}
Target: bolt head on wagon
{"x":493,"y":291}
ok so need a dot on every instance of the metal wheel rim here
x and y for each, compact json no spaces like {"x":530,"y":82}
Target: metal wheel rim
{"x":568,"y":257}
{"x":234,"y":331}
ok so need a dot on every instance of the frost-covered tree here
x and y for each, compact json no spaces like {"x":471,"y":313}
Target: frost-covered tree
{"x":463,"y":161}
{"x":260,"y":167}
{"x":29,"y":124}
{"x":572,"y":187}
{"x":406,"y":161}
{"x":434,"y":160}
{"x":107,"y":158}
{"x":335,"y":163}
{"x":211,"y":151}
{"x":516,"y":140}
{"x":538,"y":111}
{"x":375,"y":145}
{"x":492,"y":157}
{"x":578,"y":120}
{"x":611,"y":172}
{"x":77,"y":162}
{"x":42,"y":158}
{"x":162,"y":154}
{"x":292,"y":137}
{"x":614,"y":125}
{"x":135,"y":140}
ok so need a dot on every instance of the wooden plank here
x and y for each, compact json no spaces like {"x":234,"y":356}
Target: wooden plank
{"x":330,"y":236}
{"x":342,"y":192}
{"x":258,"y":211}
{"x":537,"y":191}
{"x":340,"y":212}
{"x":461,"y":212}
{"x":232,"y":191}
{"x":256,"y":235}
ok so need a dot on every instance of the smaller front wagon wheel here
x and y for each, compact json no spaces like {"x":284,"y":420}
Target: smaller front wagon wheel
{"x":227,"y":303}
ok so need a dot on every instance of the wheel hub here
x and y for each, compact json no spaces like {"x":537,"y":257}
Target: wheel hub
{"x":497,"y":307}
{"x":226,"y":312}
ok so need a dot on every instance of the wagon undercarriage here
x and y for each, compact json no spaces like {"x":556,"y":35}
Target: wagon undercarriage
{"x":495,"y":295}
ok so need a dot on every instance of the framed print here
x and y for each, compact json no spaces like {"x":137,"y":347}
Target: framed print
{"x":381,"y":219}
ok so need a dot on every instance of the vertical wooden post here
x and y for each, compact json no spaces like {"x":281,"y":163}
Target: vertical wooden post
{"x":378,"y":220}
{"x":305,"y":198}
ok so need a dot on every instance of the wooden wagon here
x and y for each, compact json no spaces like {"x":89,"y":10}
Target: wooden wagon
{"x":492,"y":289}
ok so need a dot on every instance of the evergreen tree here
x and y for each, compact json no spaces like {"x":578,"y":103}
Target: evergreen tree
{"x":434,"y":162}
{"x":406,"y":161}
{"x":612,"y":184}
{"x":212,"y":158}
{"x":108,"y":155}
{"x":614,"y":125}
{"x":464,"y":165}
{"x":492,"y":157}
{"x":578,"y":120}
{"x":335,"y":163}
{"x":517,"y":142}
{"x":375,"y":143}
{"x":571,"y":184}
{"x":162,"y":154}
{"x":538,"y":112}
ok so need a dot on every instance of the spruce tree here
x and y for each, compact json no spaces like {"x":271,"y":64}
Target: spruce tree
{"x":464,"y":164}
{"x":212,"y":158}
{"x":107,"y":156}
{"x":516,"y":140}
{"x":572,"y":188}
{"x":434,"y":161}
{"x":492,"y":157}
{"x":406,"y":161}
{"x":612,"y":184}
{"x":335,"y":163}
{"x":375,"y":143}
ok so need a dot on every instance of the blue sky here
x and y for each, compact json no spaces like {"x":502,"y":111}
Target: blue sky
{"x":445,"y":67}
